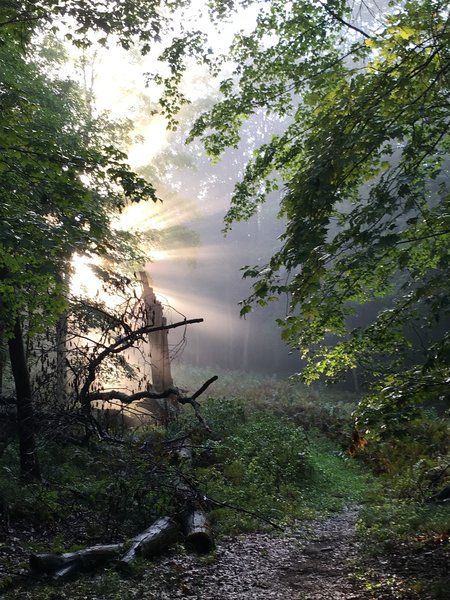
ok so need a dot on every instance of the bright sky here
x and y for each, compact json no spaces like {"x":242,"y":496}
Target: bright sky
{"x":120,"y":87}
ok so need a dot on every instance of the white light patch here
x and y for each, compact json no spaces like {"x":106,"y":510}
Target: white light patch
{"x":155,"y":139}
{"x":83,"y":281}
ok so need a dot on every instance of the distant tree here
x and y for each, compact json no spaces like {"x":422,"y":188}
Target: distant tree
{"x":363,"y":164}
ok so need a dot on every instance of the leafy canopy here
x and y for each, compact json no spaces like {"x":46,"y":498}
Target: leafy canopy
{"x":62,"y":175}
{"x":363,"y":162}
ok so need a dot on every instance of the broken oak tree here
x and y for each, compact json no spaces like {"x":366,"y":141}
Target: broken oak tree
{"x":158,"y":537}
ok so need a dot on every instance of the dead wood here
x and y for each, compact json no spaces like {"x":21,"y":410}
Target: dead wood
{"x":129,"y":398}
{"x":198,"y":533}
{"x":119,"y":346}
{"x":62,"y":566}
{"x":173,"y":393}
{"x":158,"y":537}
{"x":198,"y":536}
{"x":192,"y":400}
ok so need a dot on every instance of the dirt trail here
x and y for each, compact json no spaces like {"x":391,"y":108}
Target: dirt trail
{"x":311,"y":562}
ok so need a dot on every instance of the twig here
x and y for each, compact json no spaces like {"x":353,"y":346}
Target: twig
{"x":204,"y":387}
{"x":343,"y":21}
{"x":195,"y":405}
{"x":243,"y":510}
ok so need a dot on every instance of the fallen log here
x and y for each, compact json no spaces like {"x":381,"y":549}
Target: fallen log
{"x":158,"y":537}
{"x":198,"y":535}
{"x":62,"y":566}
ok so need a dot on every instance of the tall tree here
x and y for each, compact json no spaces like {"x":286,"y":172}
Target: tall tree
{"x":61,"y":179}
{"x":363,"y":165}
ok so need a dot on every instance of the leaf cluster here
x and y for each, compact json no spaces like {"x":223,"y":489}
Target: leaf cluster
{"x":61,"y":181}
{"x":364,"y":161}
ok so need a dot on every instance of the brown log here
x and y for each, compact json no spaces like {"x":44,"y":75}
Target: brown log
{"x":162,"y":534}
{"x":158,"y":537}
{"x":61,"y":566}
{"x":198,"y":532}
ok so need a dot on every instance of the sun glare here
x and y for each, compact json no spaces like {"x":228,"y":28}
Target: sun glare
{"x":154,"y":140}
{"x":84,"y":282}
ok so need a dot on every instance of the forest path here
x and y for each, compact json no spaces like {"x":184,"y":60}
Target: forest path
{"x":312,"y":561}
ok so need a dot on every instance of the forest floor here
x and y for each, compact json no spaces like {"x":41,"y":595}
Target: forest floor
{"x":314,"y":560}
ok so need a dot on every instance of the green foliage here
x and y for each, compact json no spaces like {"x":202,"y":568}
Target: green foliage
{"x":84,"y":22}
{"x":264,"y":463}
{"x":364,"y":158}
{"x":316,"y":406}
{"x":385,"y":527}
{"x":402,"y":444}
{"x":264,"y":457}
{"x":108,"y":489}
{"x":62,"y":176}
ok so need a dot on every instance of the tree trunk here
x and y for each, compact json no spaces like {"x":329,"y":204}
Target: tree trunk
{"x":198,"y":532}
{"x":159,"y":349}
{"x":63,"y":566}
{"x":163,"y":533}
{"x":2,"y":359}
{"x":61,"y":350}
{"x":29,"y":466}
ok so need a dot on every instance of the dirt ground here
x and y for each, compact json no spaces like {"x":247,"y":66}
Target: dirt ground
{"x":315,"y":560}
{"x":308,"y":563}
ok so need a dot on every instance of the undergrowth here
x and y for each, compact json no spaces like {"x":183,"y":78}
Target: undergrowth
{"x":261,"y":459}
{"x":276,"y":452}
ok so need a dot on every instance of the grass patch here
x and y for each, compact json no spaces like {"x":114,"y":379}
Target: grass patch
{"x":392,"y":523}
{"x":265,"y":462}
{"x":337,"y":481}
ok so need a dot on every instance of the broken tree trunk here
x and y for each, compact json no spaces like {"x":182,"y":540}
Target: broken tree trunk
{"x":63,"y":566}
{"x":158,"y":537}
{"x":198,"y":533}
{"x":198,"y":536}
{"x":159,"y":348}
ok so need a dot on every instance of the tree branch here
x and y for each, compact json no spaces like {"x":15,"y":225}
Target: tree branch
{"x":204,"y":387}
{"x":343,"y":21}
{"x":129,"y":398}
{"x":119,"y":346}
{"x":175,"y":392}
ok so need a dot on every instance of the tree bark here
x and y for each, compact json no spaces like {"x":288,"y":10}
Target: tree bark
{"x":29,"y":465}
{"x":163,"y":533}
{"x":159,"y":349}
{"x":2,"y":359}
{"x":63,"y":566}
{"x":61,"y":373}
{"x":198,"y":532}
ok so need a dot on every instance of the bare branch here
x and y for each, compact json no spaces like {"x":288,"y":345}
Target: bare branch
{"x":129,"y":398}
{"x":204,"y":387}
{"x":119,"y":346}
{"x":343,"y":21}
